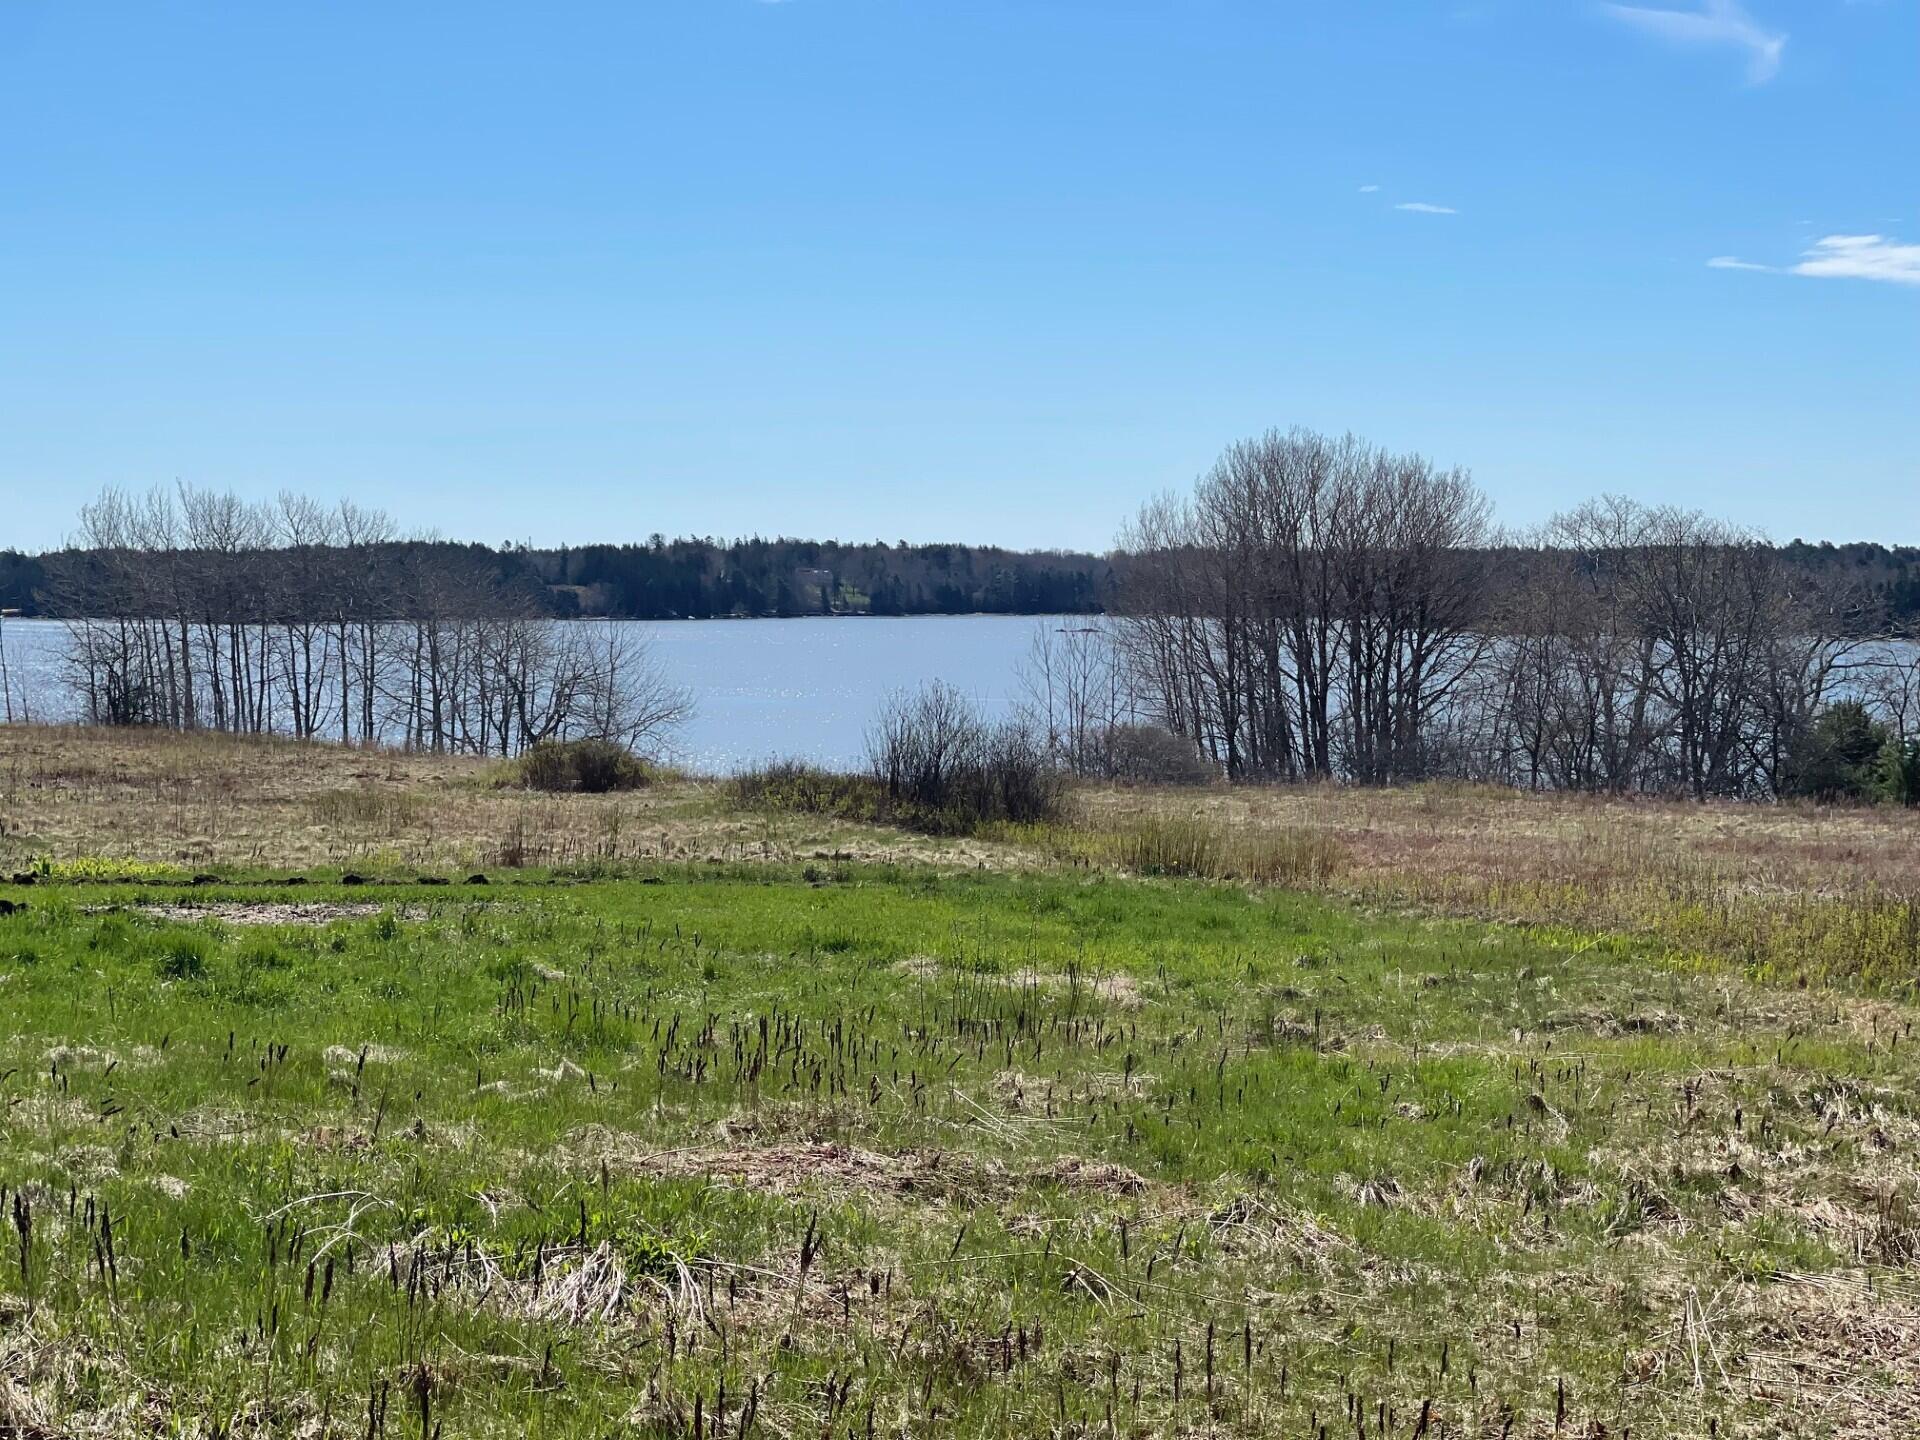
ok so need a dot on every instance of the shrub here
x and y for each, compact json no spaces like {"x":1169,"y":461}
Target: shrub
{"x":795,"y":786}
{"x":1017,"y":781}
{"x":1900,"y":771}
{"x":1150,"y":754}
{"x":1835,"y":758}
{"x":946,"y":770}
{"x":934,"y":766}
{"x":587,"y":767}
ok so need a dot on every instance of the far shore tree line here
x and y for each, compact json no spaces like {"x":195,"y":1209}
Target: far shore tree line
{"x":695,"y":579}
{"x":707,"y":578}
{"x":1315,"y":608}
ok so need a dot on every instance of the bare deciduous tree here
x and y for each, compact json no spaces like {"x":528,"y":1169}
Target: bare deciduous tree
{"x":1317,"y":604}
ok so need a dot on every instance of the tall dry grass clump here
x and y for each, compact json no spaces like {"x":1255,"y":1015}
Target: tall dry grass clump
{"x":1208,"y":848}
{"x":367,"y":808}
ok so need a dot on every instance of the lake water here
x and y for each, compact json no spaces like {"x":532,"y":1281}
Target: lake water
{"x":761,"y":688}
{"x":810,"y":688}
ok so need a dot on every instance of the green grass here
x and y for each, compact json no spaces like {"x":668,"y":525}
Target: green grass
{"x":839,"y":1150}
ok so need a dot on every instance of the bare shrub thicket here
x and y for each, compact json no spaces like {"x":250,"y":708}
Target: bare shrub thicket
{"x":943,"y":766}
{"x":1320,"y":608}
{"x":206,"y":612}
{"x":935,"y":764}
{"x":586,"y":767}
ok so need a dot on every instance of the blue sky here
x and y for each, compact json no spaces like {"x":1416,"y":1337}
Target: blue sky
{"x":990,"y":270}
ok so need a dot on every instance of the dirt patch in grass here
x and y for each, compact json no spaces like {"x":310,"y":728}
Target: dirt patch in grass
{"x":1596,"y":1021}
{"x":1113,"y":988}
{"x":1076,"y":1172}
{"x":264,"y":912}
{"x":782,"y":1168}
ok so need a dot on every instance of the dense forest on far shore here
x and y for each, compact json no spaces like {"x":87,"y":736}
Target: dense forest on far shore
{"x":696,"y":579}
{"x":705,"y":578}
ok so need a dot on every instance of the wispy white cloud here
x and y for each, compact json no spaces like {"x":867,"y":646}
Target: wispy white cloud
{"x":1368,"y":189}
{"x":1420,"y":207}
{"x":1722,"y":23}
{"x":1861,"y":257}
{"x":1842,"y":257}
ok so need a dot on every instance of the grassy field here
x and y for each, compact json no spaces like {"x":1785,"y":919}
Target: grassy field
{"x":1796,"y":893}
{"x":781,"y":1145}
{"x":1791,"y":892}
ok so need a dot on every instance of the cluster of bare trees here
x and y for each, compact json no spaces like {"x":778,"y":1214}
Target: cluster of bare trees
{"x":1321,"y":608}
{"x":1314,"y":608}
{"x":204,"y":611}
{"x":1653,"y":649}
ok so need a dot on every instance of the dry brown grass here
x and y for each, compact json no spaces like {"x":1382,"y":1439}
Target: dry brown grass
{"x":1482,"y":837}
{"x":208,"y":801}
{"x":1154,"y":841}
{"x":1791,"y":890}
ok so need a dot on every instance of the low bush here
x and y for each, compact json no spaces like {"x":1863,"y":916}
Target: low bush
{"x":1900,"y":771}
{"x":1837,"y":757}
{"x":802,"y":789}
{"x":585,"y":767}
{"x":948,"y":771}
{"x":936,"y":767}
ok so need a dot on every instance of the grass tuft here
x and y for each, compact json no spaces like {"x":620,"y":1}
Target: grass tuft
{"x":1193,"y":846}
{"x":82,"y":869}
